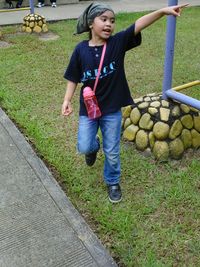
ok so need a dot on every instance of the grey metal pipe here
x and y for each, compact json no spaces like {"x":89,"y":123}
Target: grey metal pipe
{"x":183,"y":98}
{"x":169,"y":51}
{"x":31,"y":2}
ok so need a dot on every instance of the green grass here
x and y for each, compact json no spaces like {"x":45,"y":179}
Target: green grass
{"x":157,"y":223}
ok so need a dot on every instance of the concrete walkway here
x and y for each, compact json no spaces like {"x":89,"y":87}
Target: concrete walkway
{"x":38,"y":224}
{"x":72,"y":11}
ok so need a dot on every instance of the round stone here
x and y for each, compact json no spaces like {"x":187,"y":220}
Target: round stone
{"x":141,"y":140}
{"x":176,"y":148}
{"x":126,"y":111}
{"x":176,"y":129}
{"x":161,"y":130}
{"x":187,"y":121}
{"x":130,"y":132}
{"x":146,"y":122}
{"x":195,"y":138}
{"x":186,"y":138}
{"x":197,"y":123}
{"x":161,"y":150}
{"x":127,"y":122}
{"x":135,"y":115}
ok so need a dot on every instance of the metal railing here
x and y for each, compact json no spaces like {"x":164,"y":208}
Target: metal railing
{"x":168,"y":91}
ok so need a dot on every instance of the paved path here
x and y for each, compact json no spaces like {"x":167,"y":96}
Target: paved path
{"x":72,"y":11}
{"x":38,"y":224}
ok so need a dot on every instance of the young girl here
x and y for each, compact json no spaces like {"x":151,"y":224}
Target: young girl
{"x":112,"y":91}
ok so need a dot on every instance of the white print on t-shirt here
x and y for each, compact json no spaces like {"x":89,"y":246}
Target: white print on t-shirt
{"x":91,"y":74}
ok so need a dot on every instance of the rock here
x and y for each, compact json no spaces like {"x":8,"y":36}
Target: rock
{"x":143,"y":105}
{"x":44,"y":28}
{"x":151,"y":94}
{"x":32,"y":24}
{"x":164,"y":114}
{"x":152,"y":111}
{"x":28,"y":29}
{"x":194,"y":109}
{"x":195,"y":138}
{"x":186,"y":138}
{"x":40,"y":23}
{"x":197,"y":123}
{"x":126,"y":111}
{"x":176,"y":129}
{"x":154,"y":98}
{"x":37,"y":29}
{"x":176,"y":148}
{"x":161,"y":150}
{"x":130,"y":132}
{"x":137,"y":100}
{"x":146,"y":122}
{"x":135,"y":115}
{"x":141,"y":140}
{"x":187,"y":121}
{"x":155,"y":104}
{"x":127,"y":123}
{"x":161,"y":130}
{"x":176,"y":111}
{"x":165,"y":103}
{"x":147,"y":99}
{"x":185,"y":108}
{"x":151,"y":139}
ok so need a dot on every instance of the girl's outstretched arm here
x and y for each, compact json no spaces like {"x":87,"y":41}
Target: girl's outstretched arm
{"x":150,"y":18}
{"x":66,"y":106}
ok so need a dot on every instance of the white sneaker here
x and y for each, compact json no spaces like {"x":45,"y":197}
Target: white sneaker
{"x":53,"y":4}
{"x":39,"y":5}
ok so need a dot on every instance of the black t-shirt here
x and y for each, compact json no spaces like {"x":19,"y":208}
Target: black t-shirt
{"x":112,"y":89}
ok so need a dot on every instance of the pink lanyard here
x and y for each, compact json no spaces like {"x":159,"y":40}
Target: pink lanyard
{"x":100,"y":67}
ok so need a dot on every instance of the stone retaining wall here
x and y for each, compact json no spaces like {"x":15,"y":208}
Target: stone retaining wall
{"x":166,"y":128}
{"x":34,"y":23}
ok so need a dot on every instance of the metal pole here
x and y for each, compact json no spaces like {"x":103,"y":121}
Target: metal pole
{"x":31,"y":2}
{"x":168,"y":91}
{"x":186,"y":85}
{"x":169,"y":52}
{"x":183,"y":99}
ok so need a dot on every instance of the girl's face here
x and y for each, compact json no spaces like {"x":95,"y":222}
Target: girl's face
{"x":103,"y":26}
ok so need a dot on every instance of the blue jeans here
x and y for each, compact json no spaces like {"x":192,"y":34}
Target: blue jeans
{"x":110,"y":126}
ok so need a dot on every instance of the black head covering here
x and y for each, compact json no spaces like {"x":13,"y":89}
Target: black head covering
{"x":91,"y":12}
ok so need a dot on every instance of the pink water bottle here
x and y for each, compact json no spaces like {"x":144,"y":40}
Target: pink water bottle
{"x":91,"y":103}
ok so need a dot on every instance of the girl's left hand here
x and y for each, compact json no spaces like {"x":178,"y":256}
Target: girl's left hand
{"x":174,"y":10}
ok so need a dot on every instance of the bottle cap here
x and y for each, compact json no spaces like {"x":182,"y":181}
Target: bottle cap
{"x":87,"y":91}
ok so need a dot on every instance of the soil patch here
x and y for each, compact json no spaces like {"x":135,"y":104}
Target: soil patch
{"x":48,"y":36}
{"x":4,"y":44}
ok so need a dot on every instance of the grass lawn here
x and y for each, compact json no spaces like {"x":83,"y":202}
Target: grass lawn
{"x":158,"y":222}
